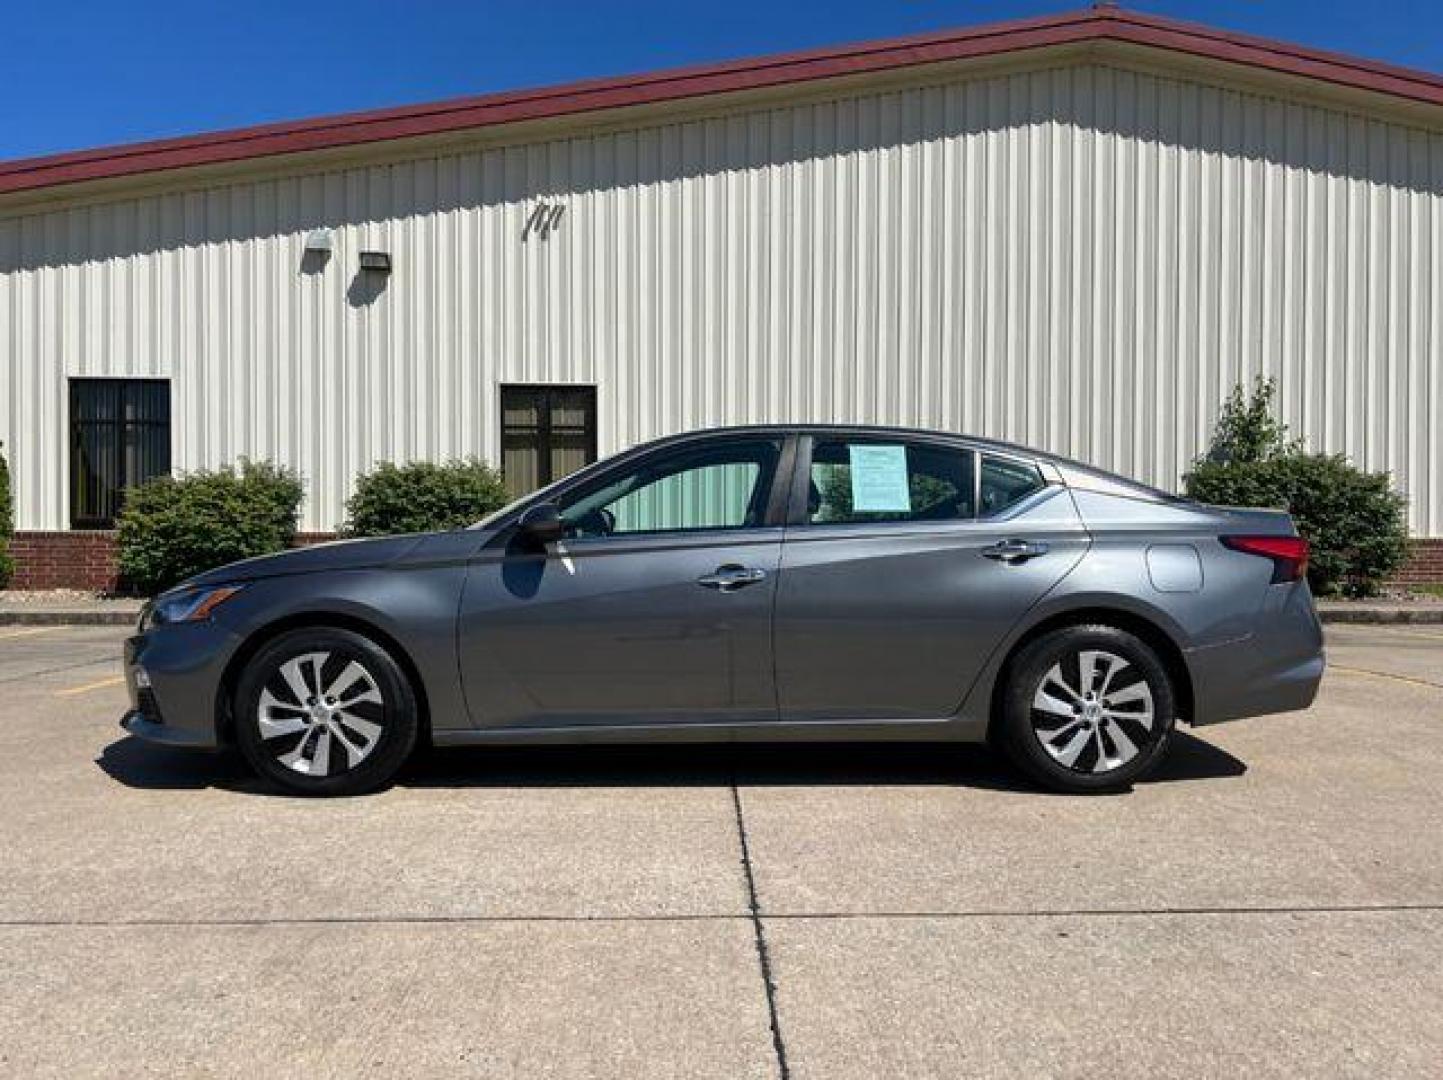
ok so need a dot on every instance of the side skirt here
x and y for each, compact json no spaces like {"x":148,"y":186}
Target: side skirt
{"x":950,"y":730}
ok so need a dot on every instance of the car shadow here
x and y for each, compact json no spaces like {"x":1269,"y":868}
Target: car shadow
{"x":1193,"y":758}
{"x":148,"y":766}
{"x":136,"y":764}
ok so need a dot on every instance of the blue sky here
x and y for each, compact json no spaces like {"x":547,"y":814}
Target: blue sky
{"x":81,"y":74}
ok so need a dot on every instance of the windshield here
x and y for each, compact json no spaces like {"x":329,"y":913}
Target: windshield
{"x":539,"y":495}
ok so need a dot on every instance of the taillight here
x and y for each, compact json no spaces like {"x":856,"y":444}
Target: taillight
{"x":1288,"y":553}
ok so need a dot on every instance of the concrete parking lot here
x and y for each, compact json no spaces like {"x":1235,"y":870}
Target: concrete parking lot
{"x":1270,"y":905}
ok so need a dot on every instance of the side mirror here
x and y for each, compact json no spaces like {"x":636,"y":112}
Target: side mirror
{"x":542,"y":524}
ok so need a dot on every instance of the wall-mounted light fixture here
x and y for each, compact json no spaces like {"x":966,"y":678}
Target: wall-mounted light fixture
{"x":319,"y":241}
{"x":376,"y":261}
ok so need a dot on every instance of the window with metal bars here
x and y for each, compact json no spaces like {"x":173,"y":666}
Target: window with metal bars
{"x":547,"y":432}
{"x":119,"y":438}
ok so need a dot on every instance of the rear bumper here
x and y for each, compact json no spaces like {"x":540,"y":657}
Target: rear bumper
{"x":1280,"y":691}
{"x":1275,"y":669}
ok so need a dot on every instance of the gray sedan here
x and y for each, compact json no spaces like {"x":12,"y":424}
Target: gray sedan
{"x":768,"y":583}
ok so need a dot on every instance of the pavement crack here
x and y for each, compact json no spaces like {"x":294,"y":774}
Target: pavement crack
{"x":358,"y":920}
{"x":1114,"y":913}
{"x":764,"y":960}
{"x":109,"y":658}
{"x":755,"y":917}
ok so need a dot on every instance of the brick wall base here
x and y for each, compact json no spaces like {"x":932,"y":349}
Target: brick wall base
{"x":82,"y":559}
{"x":1426,"y":565}
{"x":64,"y":560}
{"x":86,"y":560}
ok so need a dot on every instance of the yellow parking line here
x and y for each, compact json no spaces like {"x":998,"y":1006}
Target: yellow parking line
{"x":1418,"y":632}
{"x":1385,"y":675}
{"x":31,"y":631}
{"x":114,"y":680}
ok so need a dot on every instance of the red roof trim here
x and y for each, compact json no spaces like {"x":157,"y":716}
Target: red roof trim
{"x":356,"y":129}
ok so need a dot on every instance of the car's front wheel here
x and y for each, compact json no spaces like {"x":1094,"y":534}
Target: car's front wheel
{"x":321,"y":711}
{"x":1087,"y":708}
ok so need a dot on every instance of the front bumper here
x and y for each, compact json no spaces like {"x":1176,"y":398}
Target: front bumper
{"x":137,"y":723}
{"x":184,"y":664}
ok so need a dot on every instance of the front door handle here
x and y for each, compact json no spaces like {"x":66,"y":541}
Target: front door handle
{"x":731,"y":577}
{"x":1015,"y":551}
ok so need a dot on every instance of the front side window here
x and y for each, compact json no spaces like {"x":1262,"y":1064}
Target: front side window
{"x":861,"y":482}
{"x":119,"y":438}
{"x":723,"y":486}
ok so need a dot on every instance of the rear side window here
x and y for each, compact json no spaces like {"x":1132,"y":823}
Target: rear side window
{"x":857,"y":482}
{"x":1006,"y":482}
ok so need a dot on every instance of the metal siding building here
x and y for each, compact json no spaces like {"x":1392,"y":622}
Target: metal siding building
{"x":1082,"y":249}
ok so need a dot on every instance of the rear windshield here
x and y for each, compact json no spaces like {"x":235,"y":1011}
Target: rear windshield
{"x":1086,"y":478}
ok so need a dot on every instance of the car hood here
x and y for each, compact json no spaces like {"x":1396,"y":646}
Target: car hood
{"x":339,"y":555}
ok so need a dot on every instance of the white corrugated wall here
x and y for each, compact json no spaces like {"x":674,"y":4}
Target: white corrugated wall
{"x":1084,"y":259}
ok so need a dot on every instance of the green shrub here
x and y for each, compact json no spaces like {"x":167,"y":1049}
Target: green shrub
{"x":1247,"y":431}
{"x":1354,"y":521}
{"x":7,"y":523}
{"x":423,"y":496}
{"x":173,"y":527}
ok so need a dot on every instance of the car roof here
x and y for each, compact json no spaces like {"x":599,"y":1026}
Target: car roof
{"x":865,"y":429}
{"x":1075,"y":473}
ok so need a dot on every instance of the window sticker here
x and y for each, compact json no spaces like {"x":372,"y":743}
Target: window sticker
{"x":879,"y":479}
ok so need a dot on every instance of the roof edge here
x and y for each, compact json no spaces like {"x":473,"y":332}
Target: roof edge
{"x":1104,"y":23}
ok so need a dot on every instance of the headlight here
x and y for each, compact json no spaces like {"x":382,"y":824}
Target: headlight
{"x":186,"y":605}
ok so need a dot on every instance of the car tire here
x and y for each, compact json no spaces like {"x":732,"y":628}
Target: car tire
{"x":1087,"y":709}
{"x":325,"y":711}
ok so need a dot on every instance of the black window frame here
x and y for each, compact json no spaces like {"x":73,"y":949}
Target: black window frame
{"x":545,"y":429}
{"x":117,"y":430}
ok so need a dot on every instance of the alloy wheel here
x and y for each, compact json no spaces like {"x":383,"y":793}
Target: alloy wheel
{"x":320,"y":713}
{"x":1093,"y":711}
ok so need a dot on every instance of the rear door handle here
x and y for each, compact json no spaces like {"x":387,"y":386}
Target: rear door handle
{"x":1015,"y":551}
{"x":731,"y":577}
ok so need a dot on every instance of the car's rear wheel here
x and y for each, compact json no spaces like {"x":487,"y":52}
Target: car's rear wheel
{"x":323,"y":711}
{"x":1087,"y":708}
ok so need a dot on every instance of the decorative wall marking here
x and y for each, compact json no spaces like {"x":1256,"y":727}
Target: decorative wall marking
{"x":543,"y":220}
